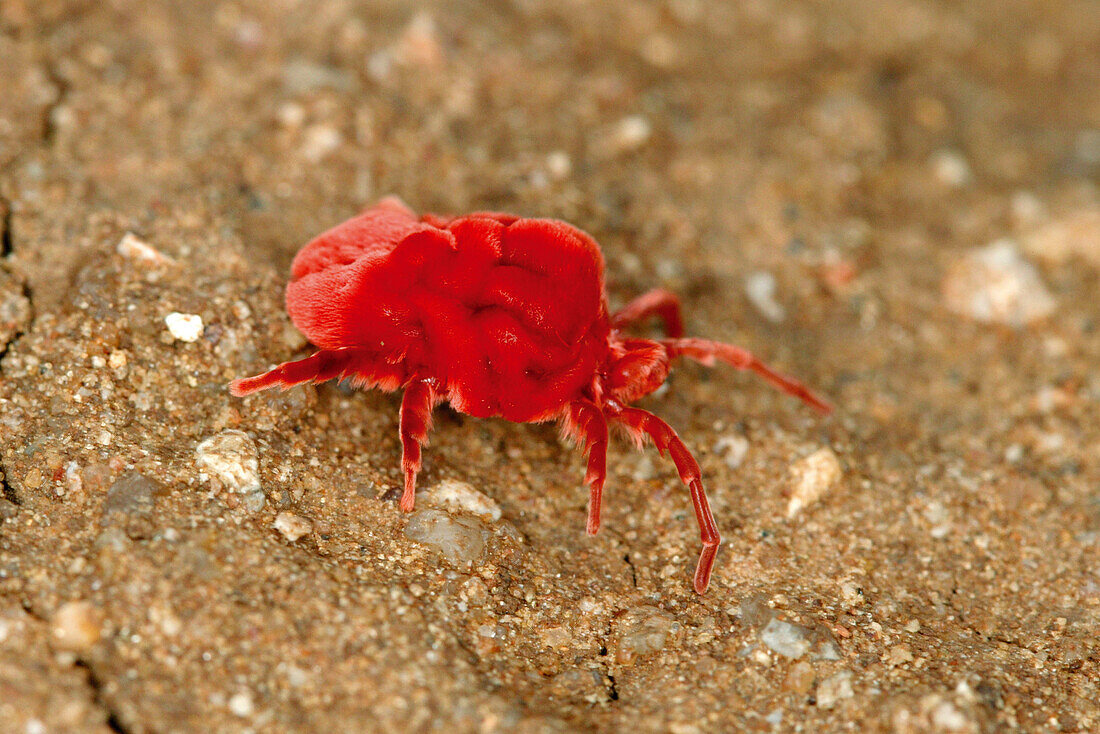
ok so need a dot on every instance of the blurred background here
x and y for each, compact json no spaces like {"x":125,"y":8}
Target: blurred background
{"x":896,"y":201}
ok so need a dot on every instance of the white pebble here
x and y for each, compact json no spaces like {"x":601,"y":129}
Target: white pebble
{"x":626,"y":136}
{"x":947,"y":717}
{"x":760,"y":288}
{"x":132,"y":247}
{"x":291,"y":115}
{"x":633,"y":131}
{"x":642,"y":631}
{"x":789,"y":640}
{"x":734,"y":448}
{"x":240,"y":704}
{"x":231,"y":457}
{"x":813,"y":476}
{"x":320,"y":140}
{"x":996,"y":285}
{"x":459,"y":539}
{"x":454,"y":493}
{"x":558,"y":165}
{"x":293,"y":527}
{"x":834,"y":688}
{"x":186,"y":327}
{"x":76,"y":626}
{"x":951,"y":169}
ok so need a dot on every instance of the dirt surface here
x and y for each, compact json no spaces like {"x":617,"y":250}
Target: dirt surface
{"x":897,"y":202}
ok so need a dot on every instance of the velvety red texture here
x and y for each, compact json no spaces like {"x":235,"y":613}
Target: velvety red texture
{"x":499,"y":316}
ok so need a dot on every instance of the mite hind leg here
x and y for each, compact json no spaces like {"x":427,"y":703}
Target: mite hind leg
{"x":415,"y":422}
{"x":657,"y":302}
{"x":586,"y":423}
{"x":641,"y":422}
{"x":707,"y":352}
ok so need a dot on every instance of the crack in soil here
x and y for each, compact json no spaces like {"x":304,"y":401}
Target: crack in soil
{"x":7,"y":249}
{"x":633,"y":571}
{"x":6,"y":490}
{"x":7,"y":246}
{"x":605,"y":665}
{"x":114,"y":722}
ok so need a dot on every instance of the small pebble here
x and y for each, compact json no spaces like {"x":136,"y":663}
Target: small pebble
{"x":946,"y":717}
{"x":291,"y":115}
{"x":631,"y":132}
{"x":659,"y":50}
{"x":240,"y":704}
{"x":301,"y":76}
{"x":939,"y":518}
{"x":800,"y":678}
{"x":789,"y":640}
{"x":642,"y":631}
{"x":117,"y":359}
{"x":558,"y":165}
{"x":319,"y":141}
{"x":1075,"y":235}
{"x":733,"y":449}
{"x":232,"y":458}
{"x":184,"y":327}
{"x":760,"y":289}
{"x":951,"y":169}
{"x":626,"y":136}
{"x":834,"y":689}
{"x":813,"y":476}
{"x":293,"y":527}
{"x":130,"y":503}
{"x":558,"y":637}
{"x":1027,"y":210}
{"x":898,"y":655}
{"x":419,"y":43}
{"x":76,"y":626}
{"x":996,"y":285}
{"x":456,"y":538}
{"x":134,"y":248}
{"x":461,"y":495}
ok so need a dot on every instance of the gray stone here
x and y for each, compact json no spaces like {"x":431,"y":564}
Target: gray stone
{"x":458,"y":539}
{"x":130,"y":503}
{"x":789,"y":640}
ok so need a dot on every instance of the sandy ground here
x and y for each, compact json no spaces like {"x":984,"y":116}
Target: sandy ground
{"x":896,"y":202}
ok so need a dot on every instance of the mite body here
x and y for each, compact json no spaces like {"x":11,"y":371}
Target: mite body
{"x":498,"y":316}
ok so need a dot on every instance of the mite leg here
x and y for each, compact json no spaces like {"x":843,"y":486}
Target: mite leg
{"x":658,"y":303}
{"x":415,"y":422}
{"x":318,"y":367}
{"x":587,"y":424}
{"x":706,"y":352}
{"x":640,"y":421}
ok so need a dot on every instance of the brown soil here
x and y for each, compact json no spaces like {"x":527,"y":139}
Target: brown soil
{"x":858,"y":154}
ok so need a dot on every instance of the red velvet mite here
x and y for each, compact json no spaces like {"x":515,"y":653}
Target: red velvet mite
{"x":499,"y":316}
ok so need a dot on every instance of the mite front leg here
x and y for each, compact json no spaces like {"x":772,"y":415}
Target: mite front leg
{"x":658,"y":302}
{"x":319,"y":367}
{"x":415,"y":422}
{"x":707,"y":351}
{"x":586,"y":423}
{"x":640,"y":421}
